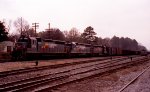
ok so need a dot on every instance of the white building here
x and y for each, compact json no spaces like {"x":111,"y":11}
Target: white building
{"x":6,"y":46}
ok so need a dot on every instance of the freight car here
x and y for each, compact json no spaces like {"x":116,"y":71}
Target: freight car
{"x":35,"y":47}
{"x":144,"y":53}
{"x":113,"y":51}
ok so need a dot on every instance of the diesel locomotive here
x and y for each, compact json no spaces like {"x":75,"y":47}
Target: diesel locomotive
{"x":35,"y":47}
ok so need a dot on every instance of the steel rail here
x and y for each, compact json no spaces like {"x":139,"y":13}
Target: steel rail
{"x":129,"y":83}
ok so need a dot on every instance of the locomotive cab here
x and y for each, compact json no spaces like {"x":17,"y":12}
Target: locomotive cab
{"x":19,"y":51}
{"x":24,"y":41}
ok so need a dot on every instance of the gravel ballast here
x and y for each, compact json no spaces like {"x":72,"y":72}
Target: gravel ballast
{"x":7,"y":66}
{"x":107,"y":82}
{"x":112,"y":82}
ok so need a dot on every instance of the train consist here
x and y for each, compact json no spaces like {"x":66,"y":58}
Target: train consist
{"x":35,"y":47}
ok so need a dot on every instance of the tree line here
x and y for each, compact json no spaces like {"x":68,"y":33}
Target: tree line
{"x":73,"y":35}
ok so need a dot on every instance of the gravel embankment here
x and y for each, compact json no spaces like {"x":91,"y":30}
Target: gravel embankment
{"x":111,"y":82}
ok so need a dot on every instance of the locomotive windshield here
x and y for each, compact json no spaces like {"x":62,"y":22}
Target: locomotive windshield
{"x":25,"y":41}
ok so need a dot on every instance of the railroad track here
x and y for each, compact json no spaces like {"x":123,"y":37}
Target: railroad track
{"x":66,"y":70}
{"x":65,"y":76}
{"x":33,"y":69}
{"x":133,"y":80}
{"x":89,"y":74}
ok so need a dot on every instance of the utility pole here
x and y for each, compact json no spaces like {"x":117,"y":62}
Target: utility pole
{"x":35,"y":25}
{"x":48,"y":27}
{"x":21,"y":25}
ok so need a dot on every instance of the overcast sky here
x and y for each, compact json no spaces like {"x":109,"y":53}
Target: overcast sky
{"x":127,"y":18}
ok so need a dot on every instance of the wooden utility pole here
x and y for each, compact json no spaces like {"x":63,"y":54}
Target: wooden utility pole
{"x":48,"y":27}
{"x":35,"y":25}
{"x":21,"y":25}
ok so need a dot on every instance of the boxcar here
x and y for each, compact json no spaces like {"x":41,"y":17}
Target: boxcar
{"x":98,"y":50}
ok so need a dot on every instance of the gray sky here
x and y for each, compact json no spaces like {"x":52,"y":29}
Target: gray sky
{"x":127,"y":18}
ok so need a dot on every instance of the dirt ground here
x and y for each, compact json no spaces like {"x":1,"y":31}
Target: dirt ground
{"x":7,"y":66}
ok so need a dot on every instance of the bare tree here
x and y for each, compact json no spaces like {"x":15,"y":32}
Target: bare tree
{"x":106,"y":42}
{"x":30,"y":32}
{"x":115,"y":41}
{"x":7,"y":24}
{"x":126,"y":43}
{"x":13,"y":37}
{"x":53,"y":33}
{"x":72,"y":35}
{"x":21,"y":25}
{"x":65,"y":33}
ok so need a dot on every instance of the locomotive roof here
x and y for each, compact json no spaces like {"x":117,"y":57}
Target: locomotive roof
{"x":33,"y":38}
{"x":84,"y":44}
{"x":56,"y":41}
{"x":98,"y":45}
{"x":48,"y":40}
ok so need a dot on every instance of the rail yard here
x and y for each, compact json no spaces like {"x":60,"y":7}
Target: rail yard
{"x":74,"y":46}
{"x":67,"y":74}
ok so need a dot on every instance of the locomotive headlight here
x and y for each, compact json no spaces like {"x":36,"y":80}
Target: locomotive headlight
{"x":46,"y":46}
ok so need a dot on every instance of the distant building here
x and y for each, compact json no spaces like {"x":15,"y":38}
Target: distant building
{"x":6,"y":46}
